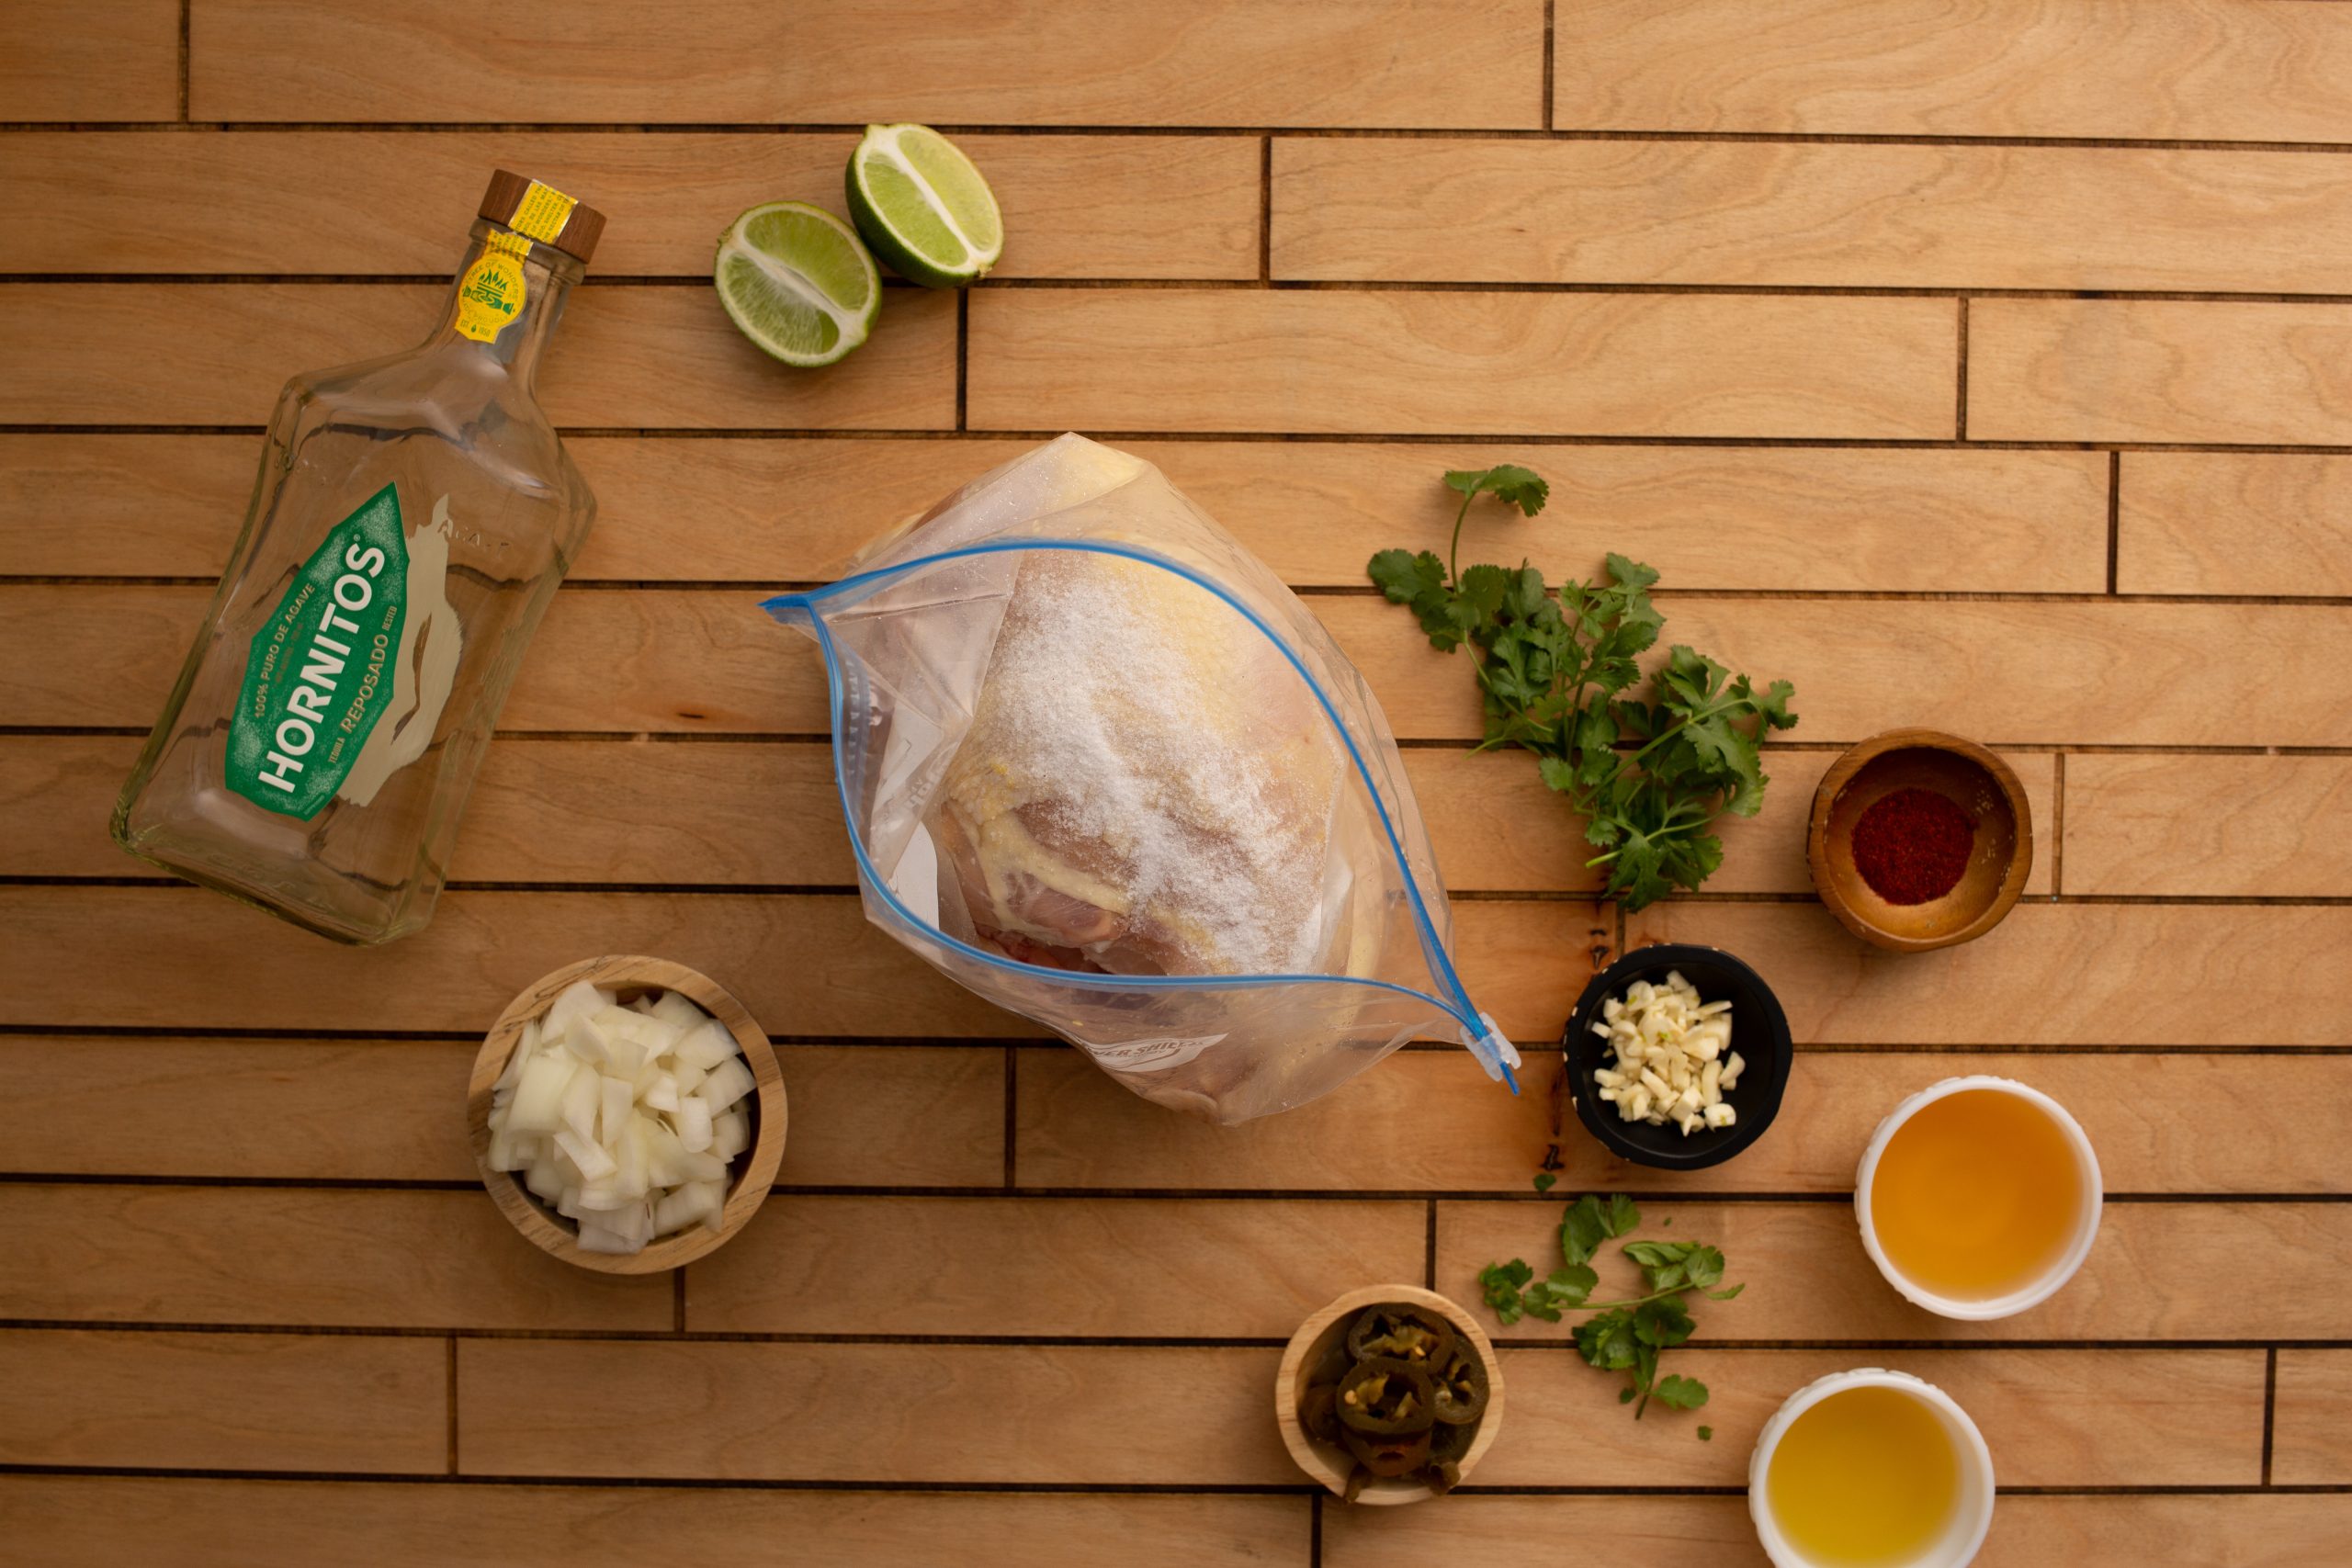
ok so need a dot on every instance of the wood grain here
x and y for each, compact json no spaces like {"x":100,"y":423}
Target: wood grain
{"x":2185,"y":1126}
{"x":2231,"y":69}
{"x":295,"y":1257}
{"x":916,"y":1115}
{"x":2255,"y":826}
{"x":682,"y":660}
{"x":1076,"y":206}
{"x":755,"y":813}
{"x":2312,"y":1443}
{"x":204,"y":964}
{"x":1868,"y":519}
{"x":2234,"y":523}
{"x":2052,"y":1418}
{"x":1051,"y":1267}
{"x":1803,"y":216}
{"x":56,"y":65}
{"x":1364,"y":63}
{"x":2219,"y":371}
{"x":2225,"y":1530}
{"x":224,"y":1401}
{"x":2097,"y":974}
{"x":217,"y":354}
{"x":2158,"y":1270}
{"x":1447,"y":363}
{"x":81,"y":1521}
{"x":739,"y":1412}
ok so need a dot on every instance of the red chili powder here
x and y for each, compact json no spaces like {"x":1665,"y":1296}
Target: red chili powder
{"x":1912,"y":845}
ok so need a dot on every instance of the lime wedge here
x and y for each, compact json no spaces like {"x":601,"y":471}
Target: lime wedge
{"x":924,"y":207}
{"x":797,"y":282}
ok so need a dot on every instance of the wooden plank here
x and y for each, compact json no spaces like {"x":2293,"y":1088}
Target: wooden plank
{"x":204,"y":964}
{"x":316,"y":1110}
{"x":1056,"y":1267}
{"x":1882,"y":520}
{"x":218,"y":353}
{"x":2219,"y":371}
{"x":2172,"y":826}
{"x":291,"y":1256}
{"x":2232,"y":70}
{"x":1365,"y":63}
{"x":2312,"y":1443}
{"x":1453,"y":363}
{"x":2234,"y":523}
{"x":2052,"y":1418}
{"x":732,"y":1411}
{"x":55,"y":65}
{"x":1063,"y":1415}
{"x":2158,"y":1270}
{"x":85,"y":1521}
{"x":769,"y":814}
{"x":685,"y":660}
{"x":2224,"y":1530}
{"x":1808,"y":216}
{"x":224,"y":1401}
{"x":2097,"y":974}
{"x":1074,"y":205}
{"x":2186,"y":1124}
{"x":926,"y":1116}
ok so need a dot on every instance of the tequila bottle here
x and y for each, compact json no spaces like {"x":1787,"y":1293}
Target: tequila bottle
{"x":412,"y":517}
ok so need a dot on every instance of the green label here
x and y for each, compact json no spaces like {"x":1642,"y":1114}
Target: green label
{"x":320,"y":672}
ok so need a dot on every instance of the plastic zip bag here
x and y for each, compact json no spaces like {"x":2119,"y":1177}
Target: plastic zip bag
{"x":1100,"y":766}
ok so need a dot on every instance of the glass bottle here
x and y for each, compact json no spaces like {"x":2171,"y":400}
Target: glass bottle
{"x":412,"y":517}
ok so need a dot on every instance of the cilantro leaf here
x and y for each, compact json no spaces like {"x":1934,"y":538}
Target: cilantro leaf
{"x":1508,"y":482}
{"x":1648,"y":773}
{"x":1706,"y":1434}
{"x":1678,"y":1393}
{"x":1544,"y":1180}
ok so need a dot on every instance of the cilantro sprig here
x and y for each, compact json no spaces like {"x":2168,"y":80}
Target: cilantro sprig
{"x":1624,"y":1336}
{"x":1557,"y":678}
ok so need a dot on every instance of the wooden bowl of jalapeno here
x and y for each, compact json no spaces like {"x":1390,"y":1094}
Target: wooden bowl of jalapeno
{"x":1388,"y":1395}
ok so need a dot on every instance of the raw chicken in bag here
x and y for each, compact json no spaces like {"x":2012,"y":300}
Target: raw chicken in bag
{"x":1100,"y":766}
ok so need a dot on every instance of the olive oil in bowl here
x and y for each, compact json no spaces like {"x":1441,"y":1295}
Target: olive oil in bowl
{"x":1978,"y":1198}
{"x":1870,"y":1470}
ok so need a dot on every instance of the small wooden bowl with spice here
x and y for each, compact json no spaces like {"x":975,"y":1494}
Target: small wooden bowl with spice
{"x":1919,"y":839}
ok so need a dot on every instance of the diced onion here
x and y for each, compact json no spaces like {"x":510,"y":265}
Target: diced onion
{"x":623,"y":1118}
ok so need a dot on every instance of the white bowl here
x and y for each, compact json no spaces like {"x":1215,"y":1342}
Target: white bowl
{"x":1962,"y":1538}
{"x":2043,"y":1287}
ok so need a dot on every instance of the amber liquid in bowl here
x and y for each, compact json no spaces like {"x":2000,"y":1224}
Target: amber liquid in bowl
{"x":1978,"y":1195}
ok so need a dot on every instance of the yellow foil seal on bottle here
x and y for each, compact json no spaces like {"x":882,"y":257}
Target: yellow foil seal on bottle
{"x":491,"y":294}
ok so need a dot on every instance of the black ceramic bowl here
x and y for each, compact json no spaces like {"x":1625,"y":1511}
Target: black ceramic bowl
{"x":1759,"y":1032}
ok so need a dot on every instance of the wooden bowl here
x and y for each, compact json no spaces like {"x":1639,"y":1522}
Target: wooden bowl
{"x":753,"y":1170}
{"x":1318,"y":1337}
{"x":1964,"y":773}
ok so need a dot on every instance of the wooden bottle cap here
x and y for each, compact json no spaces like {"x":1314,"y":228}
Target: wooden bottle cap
{"x":581,"y":230}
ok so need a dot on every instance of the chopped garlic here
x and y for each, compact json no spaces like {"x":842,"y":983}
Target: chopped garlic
{"x":1674,"y":1060}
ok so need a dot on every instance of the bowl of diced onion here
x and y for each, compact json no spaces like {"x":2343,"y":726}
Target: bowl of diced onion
{"x":1677,"y":1056}
{"x":628,"y":1114}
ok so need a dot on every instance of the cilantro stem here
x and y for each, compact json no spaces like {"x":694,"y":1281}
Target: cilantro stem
{"x":1453,"y":550}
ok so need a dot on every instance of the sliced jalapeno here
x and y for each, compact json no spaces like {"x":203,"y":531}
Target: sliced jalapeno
{"x":1386,"y":1397}
{"x":1458,"y":1388}
{"x":1319,"y":1412}
{"x":1389,"y":1456}
{"x":1406,"y":1333}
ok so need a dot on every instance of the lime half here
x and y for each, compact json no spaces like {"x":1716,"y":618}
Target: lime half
{"x":924,"y":207}
{"x":797,"y":282}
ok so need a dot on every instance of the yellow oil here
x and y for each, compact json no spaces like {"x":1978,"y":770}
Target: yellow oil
{"x":1976,"y":1195}
{"x":1865,"y":1479}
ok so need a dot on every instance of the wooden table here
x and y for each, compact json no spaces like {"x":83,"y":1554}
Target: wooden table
{"x":1986,"y":366}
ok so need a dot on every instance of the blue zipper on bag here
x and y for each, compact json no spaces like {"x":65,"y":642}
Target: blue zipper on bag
{"x":1486,"y":1042}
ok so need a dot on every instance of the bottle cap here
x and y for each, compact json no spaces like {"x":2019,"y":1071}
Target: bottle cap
{"x":542,"y":213}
